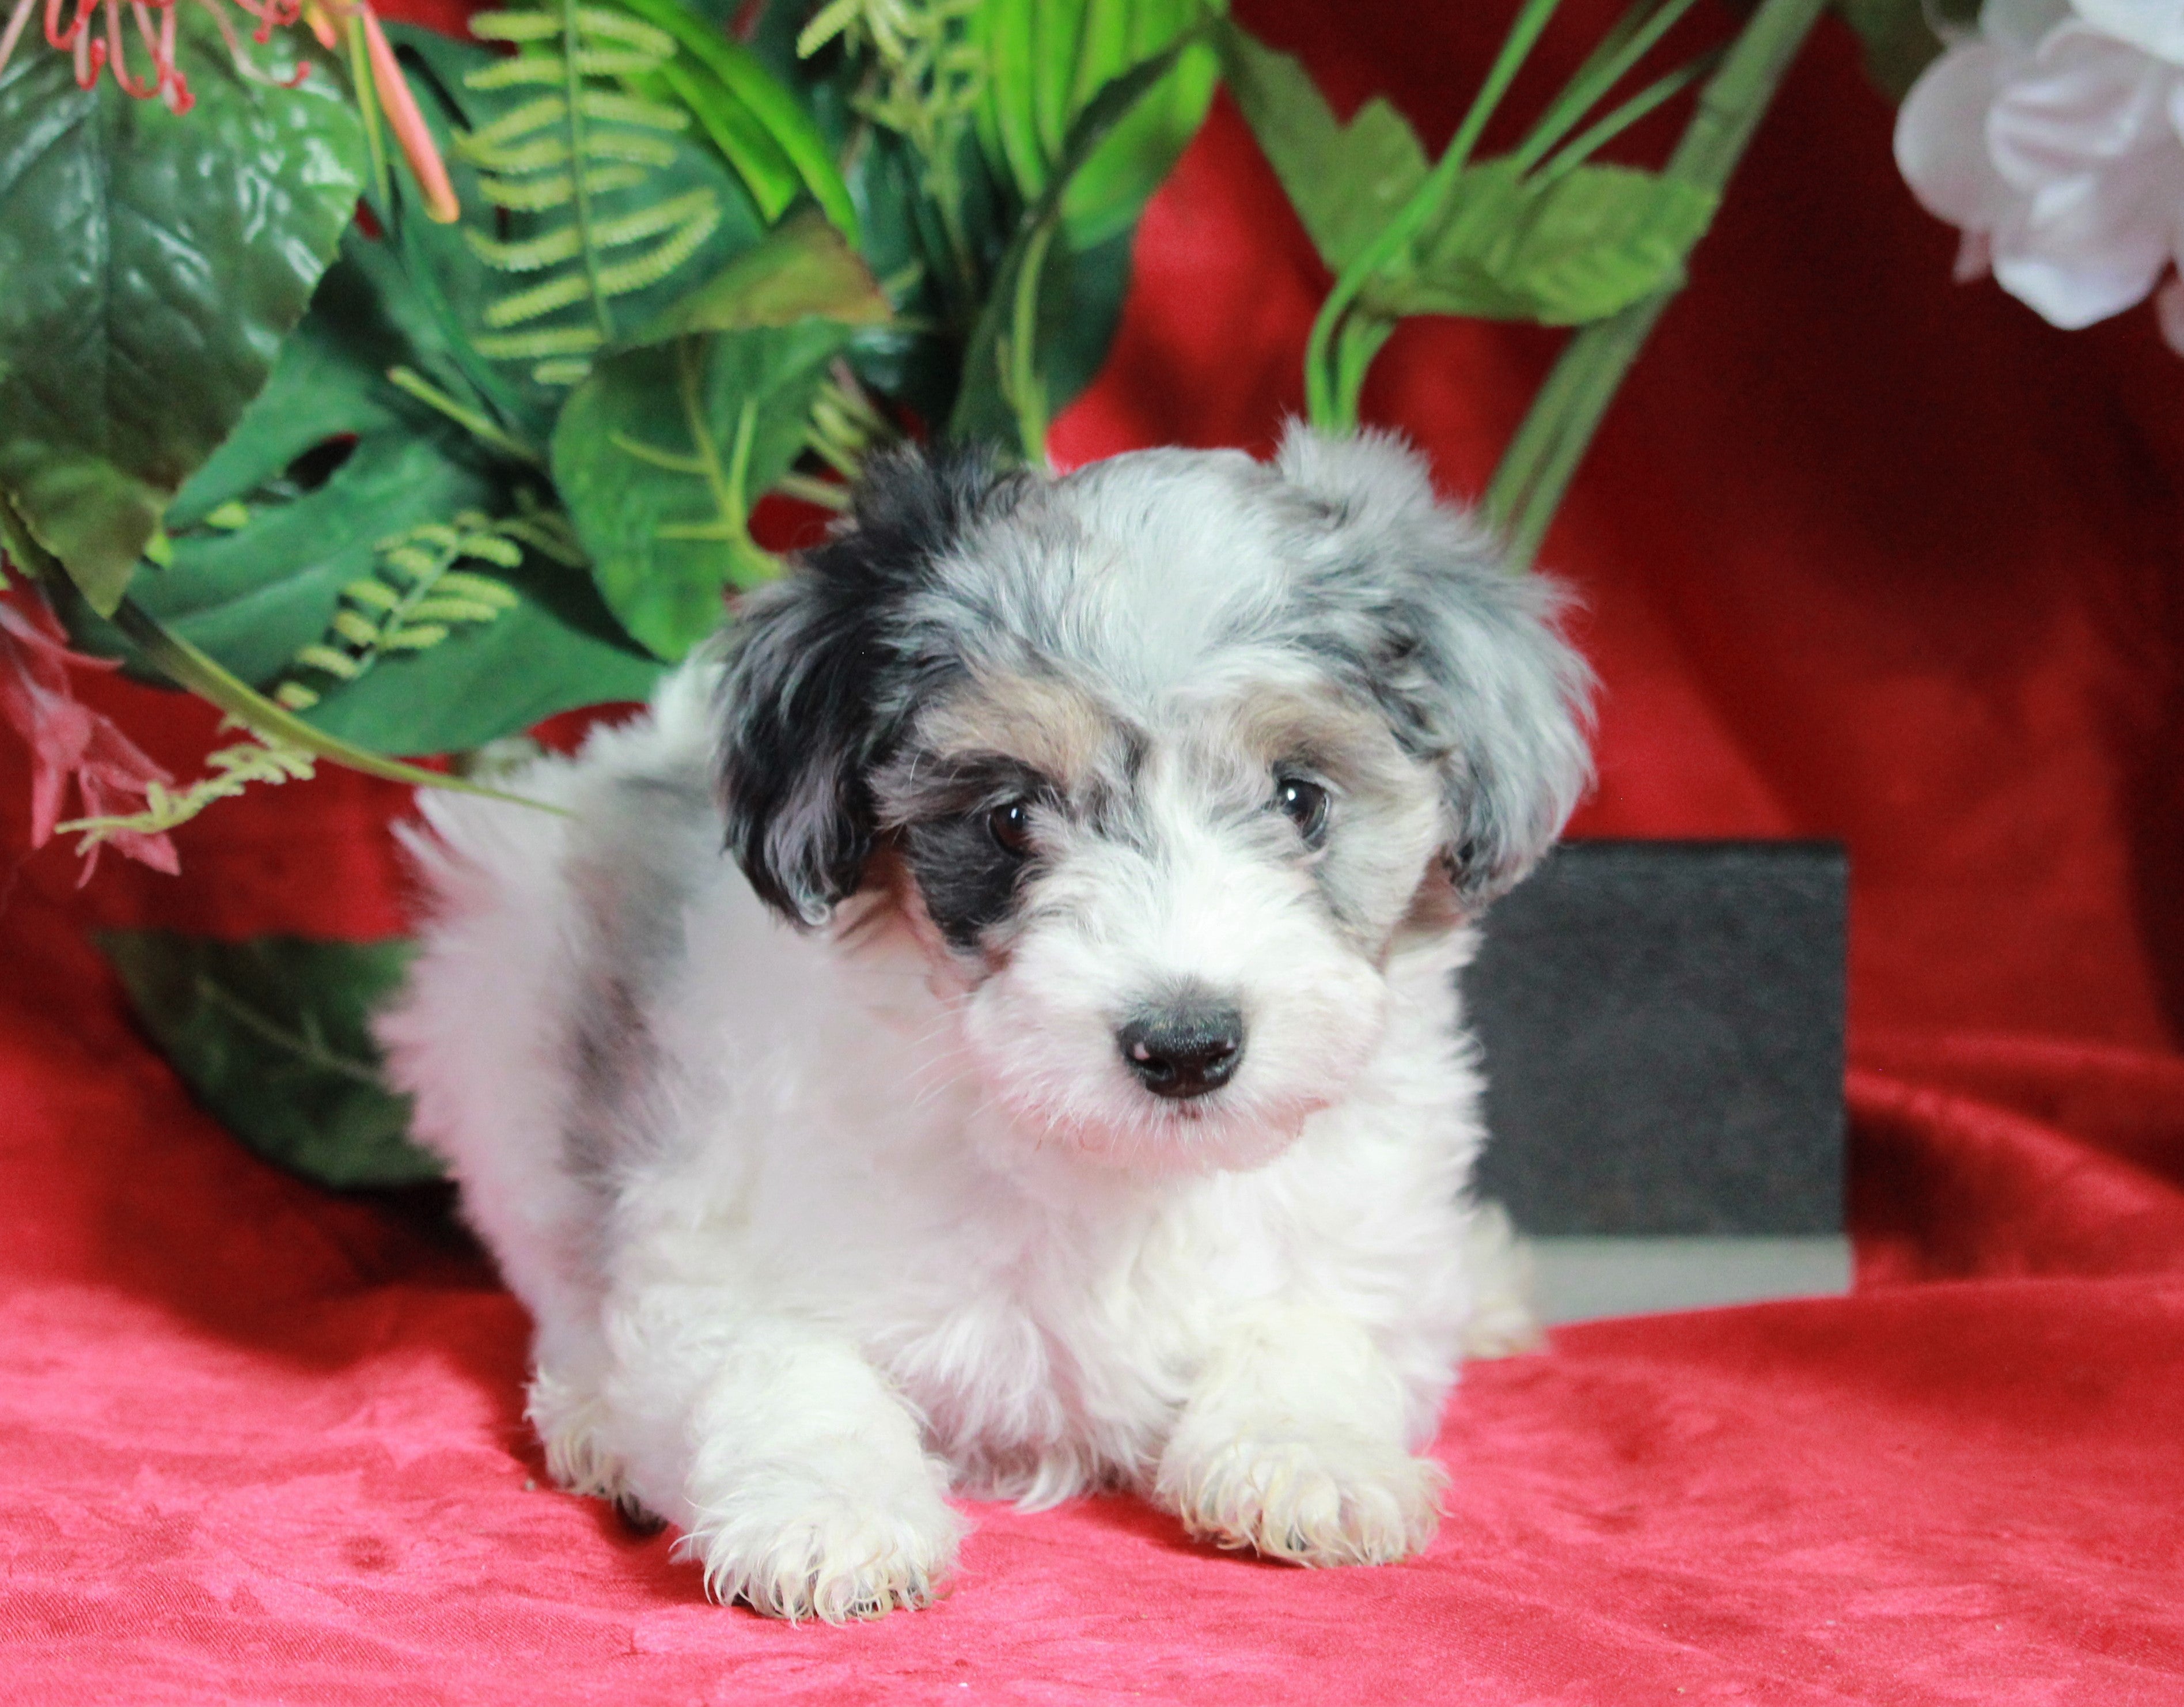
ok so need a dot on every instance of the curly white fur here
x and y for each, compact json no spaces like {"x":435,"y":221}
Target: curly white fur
{"x":817,"y":1224}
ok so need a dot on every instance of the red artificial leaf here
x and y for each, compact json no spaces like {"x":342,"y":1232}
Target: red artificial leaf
{"x":67,"y":738}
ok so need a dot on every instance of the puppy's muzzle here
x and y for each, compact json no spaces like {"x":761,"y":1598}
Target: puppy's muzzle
{"x":1185,"y":1046}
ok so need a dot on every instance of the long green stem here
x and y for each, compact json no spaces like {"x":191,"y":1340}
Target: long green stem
{"x":1026,"y":393}
{"x":187,"y":666}
{"x":580,"y":162}
{"x":1595,"y":80}
{"x":1004,"y":335}
{"x":1536,"y":470}
{"x":1619,"y":35}
{"x":1595,"y":137}
{"x":1616,"y":341}
{"x":823,"y":493}
{"x":1329,"y":404}
{"x":367,"y":108}
{"x":470,"y":420}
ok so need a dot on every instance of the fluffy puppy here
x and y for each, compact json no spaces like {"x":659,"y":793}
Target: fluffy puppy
{"x":1057,"y":1082}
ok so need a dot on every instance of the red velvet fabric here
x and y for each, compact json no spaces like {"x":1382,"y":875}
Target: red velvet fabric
{"x":1864,"y":555}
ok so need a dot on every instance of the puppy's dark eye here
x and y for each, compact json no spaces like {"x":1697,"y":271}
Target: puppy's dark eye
{"x":1009,"y":826}
{"x":1305,"y":805}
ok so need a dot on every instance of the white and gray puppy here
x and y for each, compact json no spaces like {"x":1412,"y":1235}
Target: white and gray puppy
{"x":1100,"y":1114}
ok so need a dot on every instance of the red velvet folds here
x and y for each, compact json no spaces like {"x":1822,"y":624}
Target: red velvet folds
{"x":1864,"y":555}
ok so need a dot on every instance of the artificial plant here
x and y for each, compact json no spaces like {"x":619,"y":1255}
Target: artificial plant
{"x":445,"y":378}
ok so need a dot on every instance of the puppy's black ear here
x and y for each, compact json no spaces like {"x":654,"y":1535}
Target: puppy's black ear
{"x":822,"y":668}
{"x":1466,"y":658}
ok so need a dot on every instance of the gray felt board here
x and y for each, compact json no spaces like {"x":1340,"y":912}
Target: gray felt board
{"x":1662,"y":1030}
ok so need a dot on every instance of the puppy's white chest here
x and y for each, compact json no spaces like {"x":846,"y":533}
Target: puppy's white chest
{"x":1055,"y":1365}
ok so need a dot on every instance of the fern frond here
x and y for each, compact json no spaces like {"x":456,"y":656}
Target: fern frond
{"x":932,"y":71}
{"x":329,"y":660}
{"x":547,"y":532}
{"x":698,"y":214}
{"x":371,"y":595}
{"x":418,"y":596}
{"x":515,"y":125}
{"x":557,"y":189}
{"x":578,"y":160}
{"x":413,"y":639}
{"x":516,"y":26}
{"x":270,"y":761}
{"x":564,"y":292}
{"x":593,"y":20}
{"x":557,"y":247}
{"x":609,"y":109}
{"x":483,"y":589}
{"x":531,"y":255}
{"x":698,"y":224}
{"x":548,"y":345}
{"x":551,"y":70}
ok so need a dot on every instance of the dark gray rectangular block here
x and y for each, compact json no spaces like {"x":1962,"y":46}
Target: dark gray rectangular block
{"x":1663,"y":1024}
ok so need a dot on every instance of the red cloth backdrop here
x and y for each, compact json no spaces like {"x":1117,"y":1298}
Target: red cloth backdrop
{"x":1864,"y":555}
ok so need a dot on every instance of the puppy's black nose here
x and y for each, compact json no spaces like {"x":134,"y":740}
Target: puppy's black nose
{"x":1185,"y":1047}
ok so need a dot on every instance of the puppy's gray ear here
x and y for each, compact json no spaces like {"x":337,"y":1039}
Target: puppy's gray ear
{"x":821,"y":671}
{"x":1467,"y":659}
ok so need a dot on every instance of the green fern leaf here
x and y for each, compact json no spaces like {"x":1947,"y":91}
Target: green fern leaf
{"x":416,"y":598}
{"x":482,"y":589}
{"x":357,"y":629}
{"x":578,"y":160}
{"x":371,"y":595}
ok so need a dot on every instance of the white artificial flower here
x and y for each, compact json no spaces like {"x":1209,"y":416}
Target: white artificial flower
{"x":2154,"y":26}
{"x":2054,"y":137}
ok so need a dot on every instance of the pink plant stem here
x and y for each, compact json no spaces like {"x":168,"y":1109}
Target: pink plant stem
{"x":409,"y":125}
{"x":16,"y":25}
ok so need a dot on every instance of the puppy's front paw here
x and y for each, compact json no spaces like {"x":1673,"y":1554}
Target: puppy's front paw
{"x":1313,"y":1500}
{"x":825,"y":1555}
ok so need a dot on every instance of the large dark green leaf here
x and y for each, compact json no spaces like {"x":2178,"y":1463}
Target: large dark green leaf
{"x":272,"y":1036}
{"x":804,"y":270}
{"x":661,"y":453}
{"x":151,"y":266}
{"x":1080,"y":304}
{"x":1560,"y":250}
{"x":1345,"y":180}
{"x":330,"y":460}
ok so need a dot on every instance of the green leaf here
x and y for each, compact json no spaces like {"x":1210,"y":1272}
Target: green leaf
{"x":522,"y":360}
{"x":804,"y":270}
{"x":1561,"y":250}
{"x":1007,"y":392}
{"x":919,"y":359}
{"x":332,"y":459}
{"x":1345,"y":180}
{"x":272,"y":1036}
{"x":153,"y":265}
{"x":1047,"y":59}
{"x":661,"y":454}
{"x":752,"y":118}
{"x":741,"y":139}
{"x":1112,"y":186}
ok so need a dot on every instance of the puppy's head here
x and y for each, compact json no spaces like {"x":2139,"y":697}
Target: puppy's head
{"x":1172,"y":752}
